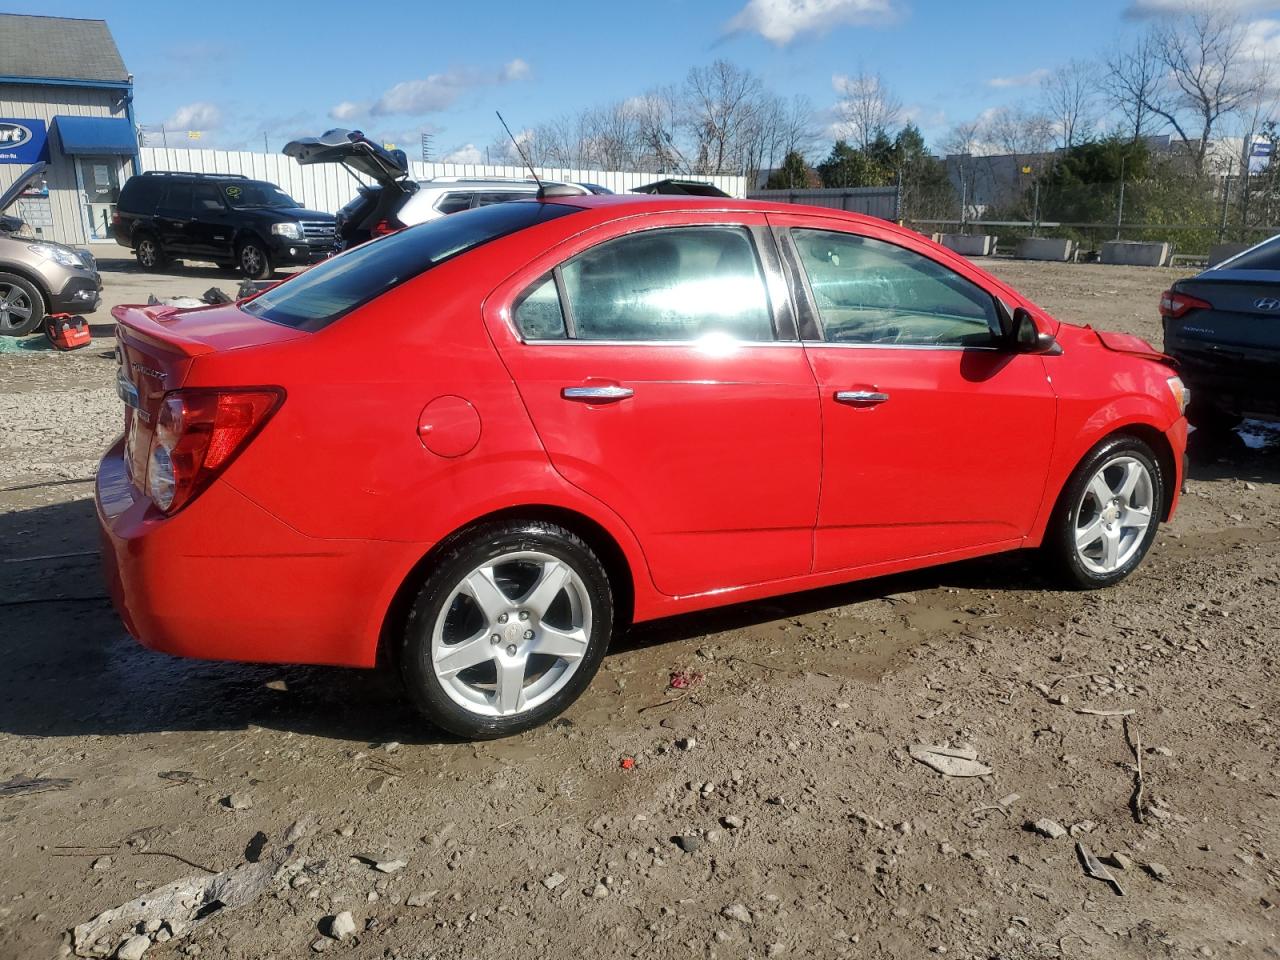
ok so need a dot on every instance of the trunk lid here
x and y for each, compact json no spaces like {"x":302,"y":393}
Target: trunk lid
{"x":353,"y":150}
{"x":1245,"y":314}
{"x":156,"y":347}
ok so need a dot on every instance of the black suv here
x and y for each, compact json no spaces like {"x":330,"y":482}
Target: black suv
{"x":238,"y":223}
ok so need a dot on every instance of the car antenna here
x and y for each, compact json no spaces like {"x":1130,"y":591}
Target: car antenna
{"x":520,"y":150}
{"x":545,"y":191}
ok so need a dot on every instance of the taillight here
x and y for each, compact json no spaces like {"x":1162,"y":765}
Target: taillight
{"x":199,"y":432}
{"x":1174,"y":305}
{"x":383,"y":227}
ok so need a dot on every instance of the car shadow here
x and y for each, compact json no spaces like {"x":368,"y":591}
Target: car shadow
{"x":1251,"y":452}
{"x":71,"y":669}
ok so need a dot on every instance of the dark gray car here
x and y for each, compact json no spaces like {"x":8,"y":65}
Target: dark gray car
{"x":37,"y":277}
{"x":1223,"y":328}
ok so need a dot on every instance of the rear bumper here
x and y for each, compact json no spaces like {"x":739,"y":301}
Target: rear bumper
{"x":1246,"y":382}
{"x":225,"y":580}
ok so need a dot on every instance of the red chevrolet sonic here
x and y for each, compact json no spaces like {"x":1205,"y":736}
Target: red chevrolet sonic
{"x":480,"y":446}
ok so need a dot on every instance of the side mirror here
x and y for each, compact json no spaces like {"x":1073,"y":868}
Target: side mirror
{"x":1027,"y":337}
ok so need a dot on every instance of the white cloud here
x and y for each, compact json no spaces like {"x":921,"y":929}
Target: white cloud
{"x":516,"y":69}
{"x":201,"y":115}
{"x":1262,"y":40}
{"x":347,"y":110}
{"x":926,"y":118}
{"x":1028,"y":79}
{"x":439,"y":91}
{"x":468,"y":153}
{"x":781,"y":21}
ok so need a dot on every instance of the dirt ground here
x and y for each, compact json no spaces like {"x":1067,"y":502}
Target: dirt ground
{"x":805,"y":828}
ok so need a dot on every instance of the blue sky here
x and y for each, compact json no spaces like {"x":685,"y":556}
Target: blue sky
{"x":237,"y":70}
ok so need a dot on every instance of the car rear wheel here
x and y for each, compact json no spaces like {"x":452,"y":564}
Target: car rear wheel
{"x":149,"y":253}
{"x":21,"y":306}
{"x":255,"y":262}
{"x":1108,"y":514}
{"x":508,"y":630}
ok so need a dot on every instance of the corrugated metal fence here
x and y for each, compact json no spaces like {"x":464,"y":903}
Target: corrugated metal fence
{"x":879,"y":202}
{"x":327,"y":186}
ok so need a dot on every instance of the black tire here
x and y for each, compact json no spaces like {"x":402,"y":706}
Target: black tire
{"x":22,"y":306}
{"x":150,"y":255}
{"x":1059,"y":549}
{"x":1212,"y":419}
{"x":254,"y":260}
{"x":470,"y":550}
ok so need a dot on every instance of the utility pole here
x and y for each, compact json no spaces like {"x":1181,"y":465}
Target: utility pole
{"x":266,"y":148}
{"x":1120,"y":206}
{"x":1226,"y":199}
{"x":164,"y":137}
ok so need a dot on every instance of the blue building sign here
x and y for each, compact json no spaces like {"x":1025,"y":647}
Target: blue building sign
{"x":23,"y":141}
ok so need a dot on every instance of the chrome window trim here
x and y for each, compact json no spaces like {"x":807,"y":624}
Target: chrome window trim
{"x":949,"y":347}
{"x":561,"y":342}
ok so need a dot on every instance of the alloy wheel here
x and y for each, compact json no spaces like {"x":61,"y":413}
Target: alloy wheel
{"x":511,"y":634}
{"x":15,"y":307}
{"x":147,"y":253}
{"x":1113,"y":515}
{"x":251,"y":260}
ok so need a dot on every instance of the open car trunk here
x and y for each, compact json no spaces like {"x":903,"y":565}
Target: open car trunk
{"x":353,"y":150}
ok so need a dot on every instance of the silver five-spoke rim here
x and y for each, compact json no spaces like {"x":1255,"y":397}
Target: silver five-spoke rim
{"x":251,"y":259}
{"x":147,"y":253}
{"x":1114,"y":514}
{"x":511,"y":634}
{"x":15,"y":307}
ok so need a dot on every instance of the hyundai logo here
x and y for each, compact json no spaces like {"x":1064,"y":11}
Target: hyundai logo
{"x":1267,"y":303}
{"x":13,"y":134}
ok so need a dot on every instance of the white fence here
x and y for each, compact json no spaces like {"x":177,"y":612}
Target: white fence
{"x":327,"y":186}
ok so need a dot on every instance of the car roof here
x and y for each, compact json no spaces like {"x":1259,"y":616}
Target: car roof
{"x":625,"y":204}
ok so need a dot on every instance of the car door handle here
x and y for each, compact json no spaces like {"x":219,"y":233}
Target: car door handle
{"x":610,"y":393}
{"x":861,"y":398}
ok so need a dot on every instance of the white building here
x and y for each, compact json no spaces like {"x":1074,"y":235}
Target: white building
{"x":66,"y":97}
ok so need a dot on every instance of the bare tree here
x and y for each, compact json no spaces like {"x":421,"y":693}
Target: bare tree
{"x":1210,"y":75}
{"x":1018,"y":131}
{"x":1131,"y":82}
{"x":1069,"y":96}
{"x":723,"y":103}
{"x":659,"y":114}
{"x":867,"y":108}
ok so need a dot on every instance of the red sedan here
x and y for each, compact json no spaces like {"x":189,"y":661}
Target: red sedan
{"x":482,"y":445}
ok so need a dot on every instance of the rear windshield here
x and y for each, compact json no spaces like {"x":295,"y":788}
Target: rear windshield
{"x":1265,"y":256}
{"x":329,"y":290}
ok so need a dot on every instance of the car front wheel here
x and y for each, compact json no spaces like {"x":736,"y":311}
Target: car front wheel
{"x":508,"y":629}
{"x":1108,"y":514}
{"x":21,"y":306}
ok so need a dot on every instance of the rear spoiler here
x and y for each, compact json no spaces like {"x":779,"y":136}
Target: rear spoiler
{"x":148,"y":324}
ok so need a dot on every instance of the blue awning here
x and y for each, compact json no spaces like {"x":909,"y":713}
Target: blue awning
{"x":96,"y":135}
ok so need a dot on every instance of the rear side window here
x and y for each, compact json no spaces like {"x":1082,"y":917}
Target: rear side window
{"x":141,"y":194}
{"x":205,"y":199}
{"x":317,"y":297}
{"x":177,"y":198}
{"x":454,"y":202}
{"x":1265,"y":256}
{"x":681,"y":283}
{"x":502,"y":196}
{"x":537,"y":314}
{"x":869,"y":291}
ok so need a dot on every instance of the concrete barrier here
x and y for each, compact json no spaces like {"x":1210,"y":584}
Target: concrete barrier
{"x":1044,"y":248}
{"x":970,"y":245}
{"x":1135,"y":253}
{"x":1225,"y":251}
